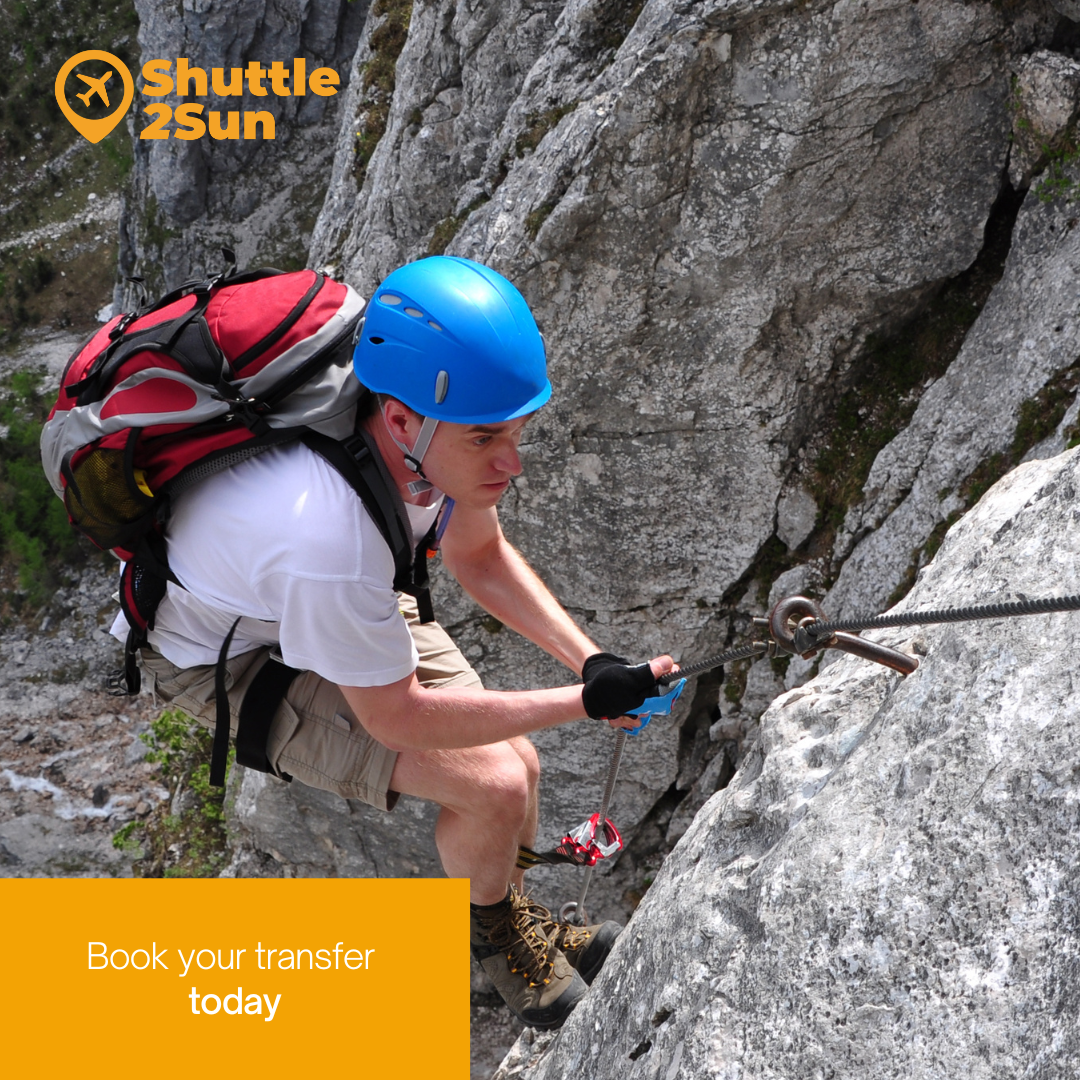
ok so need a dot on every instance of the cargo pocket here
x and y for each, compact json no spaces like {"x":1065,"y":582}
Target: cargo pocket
{"x":283,"y":728}
{"x":190,"y":689}
{"x":321,"y":744}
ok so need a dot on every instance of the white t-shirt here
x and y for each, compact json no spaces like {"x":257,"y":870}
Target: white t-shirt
{"x":284,"y":542}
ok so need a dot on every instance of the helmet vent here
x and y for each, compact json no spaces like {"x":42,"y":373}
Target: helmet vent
{"x":442,"y":384}
{"x":413,"y":312}
{"x":434,"y":325}
{"x":389,"y":298}
{"x":376,"y":340}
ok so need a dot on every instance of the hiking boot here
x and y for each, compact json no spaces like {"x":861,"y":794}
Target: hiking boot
{"x":585,"y":947}
{"x":532,"y":976}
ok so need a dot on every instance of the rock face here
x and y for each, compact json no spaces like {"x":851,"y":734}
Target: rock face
{"x":720,"y":209}
{"x":709,"y":207}
{"x":188,"y":198}
{"x":1026,"y":337}
{"x":72,"y":768}
{"x":888,"y":885}
{"x":1069,"y":8}
{"x":1046,"y":99}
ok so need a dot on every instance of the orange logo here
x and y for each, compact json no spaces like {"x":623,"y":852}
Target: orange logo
{"x":104,"y":82}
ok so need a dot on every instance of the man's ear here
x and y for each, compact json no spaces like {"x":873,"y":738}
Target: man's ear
{"x":400,"y":420}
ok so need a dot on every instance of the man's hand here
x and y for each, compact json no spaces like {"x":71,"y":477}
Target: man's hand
{"x":613,"y":686}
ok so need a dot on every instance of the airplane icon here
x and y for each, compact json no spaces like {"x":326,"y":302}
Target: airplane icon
{"x":97,"y":86}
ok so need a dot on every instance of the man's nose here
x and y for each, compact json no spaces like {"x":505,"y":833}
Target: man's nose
{"x":509,"y":461}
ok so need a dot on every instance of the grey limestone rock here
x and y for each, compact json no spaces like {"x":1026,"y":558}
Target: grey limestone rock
{"x":188,"y":198}
{"x":72,"y":768}
{"x":1046,"y":100}
{"x":459,"y":71}
{"x":796,"y":515}
{"x":752,"y":151}
{"x":1027,"y":334}
{"x":888,"y":884}
{"x":1069,"y":8}
{"x":708,"y":206}
{"x":312,"y":833}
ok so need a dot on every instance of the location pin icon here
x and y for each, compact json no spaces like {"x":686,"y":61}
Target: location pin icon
{"x":87,"y":127}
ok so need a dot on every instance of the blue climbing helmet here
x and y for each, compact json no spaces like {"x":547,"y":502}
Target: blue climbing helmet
{"x":455,"y":341}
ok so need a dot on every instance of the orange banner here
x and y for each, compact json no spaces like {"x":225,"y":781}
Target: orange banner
{"x":164,"y":977}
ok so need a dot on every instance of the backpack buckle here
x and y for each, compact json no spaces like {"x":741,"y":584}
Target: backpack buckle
{"x":121,"y":327}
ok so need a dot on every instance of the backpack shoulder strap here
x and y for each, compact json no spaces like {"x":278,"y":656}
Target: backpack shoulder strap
{"x":358,"y":463}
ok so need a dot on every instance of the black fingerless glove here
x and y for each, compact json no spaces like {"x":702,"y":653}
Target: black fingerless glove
{"x":613,"y":687}
{"x":600,"y":660}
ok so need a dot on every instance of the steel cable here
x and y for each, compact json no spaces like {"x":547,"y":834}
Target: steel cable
{"x":944,"y":615}
{"x":755,"y":648}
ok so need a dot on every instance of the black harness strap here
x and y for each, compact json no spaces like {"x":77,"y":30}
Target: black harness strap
{"x":260,"y":706}
{"x":261,"y":701}
{"x":219,"y":754}
{"x":420,"y":586}
{"x":358,"y":465}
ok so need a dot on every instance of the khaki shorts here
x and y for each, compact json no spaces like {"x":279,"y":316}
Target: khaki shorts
{"x":315,"y":736}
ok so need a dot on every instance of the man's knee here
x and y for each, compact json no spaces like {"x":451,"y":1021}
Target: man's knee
{"x":504,"y":782}
{"x":529,"y":758}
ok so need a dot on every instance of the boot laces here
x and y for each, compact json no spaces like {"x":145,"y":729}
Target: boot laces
{"x":562,"y":935}
{"x":527,"y":950}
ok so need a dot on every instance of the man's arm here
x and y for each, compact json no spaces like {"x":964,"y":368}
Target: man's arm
{"x":407,"y":716}
{"x":502,"y":583}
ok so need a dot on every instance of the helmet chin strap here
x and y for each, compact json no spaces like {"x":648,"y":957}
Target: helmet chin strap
{"x":414,"y":458}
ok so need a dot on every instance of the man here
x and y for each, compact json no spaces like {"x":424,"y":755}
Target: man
{"x":387,"y":705}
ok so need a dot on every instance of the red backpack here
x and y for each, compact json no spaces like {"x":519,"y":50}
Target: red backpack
{"x":209,"y":375}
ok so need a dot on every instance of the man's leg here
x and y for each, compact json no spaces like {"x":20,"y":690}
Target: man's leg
{"x":443,"y":665}
{"x":527,"y":837}
{"x":488,"y":796}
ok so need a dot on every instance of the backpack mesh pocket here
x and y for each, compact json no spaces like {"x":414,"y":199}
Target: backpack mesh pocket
{"x":145,"y":581}
{"x":104,"y":500}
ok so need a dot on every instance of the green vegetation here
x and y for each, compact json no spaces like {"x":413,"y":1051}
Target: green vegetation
{"x":155,"y":231}
{"x":23,"y":278}
{"x":37,"y":38}
{"x":612,"y":21}
{"x":36,"y":541}
{"x":874,"y":402}
{"x":378,"y":78}
{"x":447,"y":229}
{"x":538,"y":125}
{"x":50,"y":171}
{"x":772,"y":560}
{"x":779,"y":664}
{"x":537,"y":218}
{"x":186,"y":837}
{"x":735,"y":680}
{"x":1057,"y":181}
{"x":61,"y":284}
{"x":1059,"y":156}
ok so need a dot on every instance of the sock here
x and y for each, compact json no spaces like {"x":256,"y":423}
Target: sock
{"x":481,"y":908}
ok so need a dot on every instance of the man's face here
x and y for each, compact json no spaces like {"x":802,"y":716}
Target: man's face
{"x":473,"y":463}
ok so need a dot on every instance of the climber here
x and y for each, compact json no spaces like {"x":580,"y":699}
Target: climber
{"x":385,"y":704}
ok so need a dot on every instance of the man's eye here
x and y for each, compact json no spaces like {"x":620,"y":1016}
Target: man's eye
{"x":482,"y":440}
